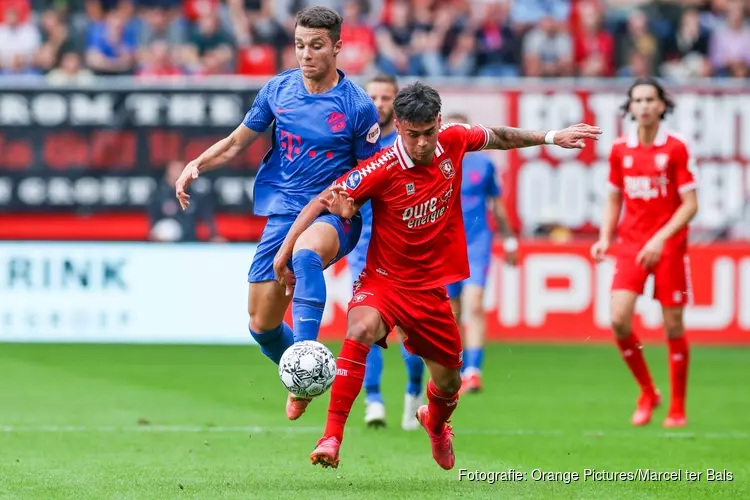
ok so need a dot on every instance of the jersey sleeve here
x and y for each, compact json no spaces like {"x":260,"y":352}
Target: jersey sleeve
{"x":471,"y":137}
{"x":366,"y":129}
{"x":685,"y":171}
{"x":365,"y":181}
{"x":260,"y":116}
{"x":615,"y":171}
{"x":493,"y":187}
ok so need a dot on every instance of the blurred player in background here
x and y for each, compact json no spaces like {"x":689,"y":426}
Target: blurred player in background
{"x":382,"y":91}
{"x":651,"y":173}
{"x":323,"y":124}
{"x":418,"y":246}
{"x":479,"y":187}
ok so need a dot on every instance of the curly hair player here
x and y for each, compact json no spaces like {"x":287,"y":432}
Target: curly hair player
{"x":418,"y":246}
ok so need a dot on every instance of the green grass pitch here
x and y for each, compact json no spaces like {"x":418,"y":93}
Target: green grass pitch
{"x":162,"y":422}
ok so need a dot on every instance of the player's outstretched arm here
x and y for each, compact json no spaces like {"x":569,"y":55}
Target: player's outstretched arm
{"x":572,"y":137}
{"x":214,"y":157}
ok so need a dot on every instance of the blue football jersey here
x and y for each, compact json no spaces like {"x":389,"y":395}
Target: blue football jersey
{"x":478,"y":185}
{"x":316,"y":138}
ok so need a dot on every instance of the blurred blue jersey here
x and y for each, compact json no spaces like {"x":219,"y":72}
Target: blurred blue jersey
{"x":316,"y":138}
{"x":358,"y":255}
{"x":479,"y":185}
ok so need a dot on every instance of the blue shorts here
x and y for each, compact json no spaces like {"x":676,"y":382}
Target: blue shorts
{"x":276,"y":230}
{"x":480,"y":253}
{"x":358,"y":256}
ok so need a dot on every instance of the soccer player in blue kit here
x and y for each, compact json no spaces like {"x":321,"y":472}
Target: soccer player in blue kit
{"x":479,"y":187}
{"x":322,"y":124}
{"x":382,"y":90}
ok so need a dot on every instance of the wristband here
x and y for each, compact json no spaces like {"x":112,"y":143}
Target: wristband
{"x":510,"y":244}
{"x":549,"y":138}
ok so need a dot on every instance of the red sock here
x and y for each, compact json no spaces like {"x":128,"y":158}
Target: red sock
{"x":350,"y":373}
{"x":679,"y":357}
{"x":440,"y":406}
{"x":632,"y":353}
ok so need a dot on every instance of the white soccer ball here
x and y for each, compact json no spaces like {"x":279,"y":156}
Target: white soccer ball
{"x":307,"y":369}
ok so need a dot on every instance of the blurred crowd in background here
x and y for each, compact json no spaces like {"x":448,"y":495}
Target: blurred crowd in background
{"x":75,"y":40}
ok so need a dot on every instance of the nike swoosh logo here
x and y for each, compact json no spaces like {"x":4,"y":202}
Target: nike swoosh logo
{"x":304,"y":320}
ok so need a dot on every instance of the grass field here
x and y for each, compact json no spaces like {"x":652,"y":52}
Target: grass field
{"x":101,"y":422}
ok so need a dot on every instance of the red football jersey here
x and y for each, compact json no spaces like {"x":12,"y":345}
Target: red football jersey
{"x":651,"y":179}
{"x":418,"y":239}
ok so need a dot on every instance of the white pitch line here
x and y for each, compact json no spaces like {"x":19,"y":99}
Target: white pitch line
{"x":192,"y":429}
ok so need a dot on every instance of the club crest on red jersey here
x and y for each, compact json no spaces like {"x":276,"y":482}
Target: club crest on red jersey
{"x":446,"y":167}
{"x":336,"y":121}
{"x":661,"y":161}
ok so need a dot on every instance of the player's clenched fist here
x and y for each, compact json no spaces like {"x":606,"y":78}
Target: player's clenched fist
{"x":574,"y":136}
{"x":284,"y":275}
{"x":188,"y":175}
{"x":599,"y":250}
{"x":339,"y":202}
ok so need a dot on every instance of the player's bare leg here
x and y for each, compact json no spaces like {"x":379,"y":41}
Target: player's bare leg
{"x":679,"y":357}
{"x":442,"y":393}
{"x":473,"y":337}
{"x":267,"y":303}
{"x":623,"y":307}
{"x":365,"y":327}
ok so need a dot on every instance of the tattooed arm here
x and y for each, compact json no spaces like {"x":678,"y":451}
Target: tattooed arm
{"x":514,"y":138}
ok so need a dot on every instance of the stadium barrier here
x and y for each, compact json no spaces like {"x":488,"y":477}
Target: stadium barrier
{"x":197,"y":293}
{"x":98,"y":150}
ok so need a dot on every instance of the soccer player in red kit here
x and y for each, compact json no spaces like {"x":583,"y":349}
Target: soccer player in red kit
{"x":651,"y":174}
{"x":418,"y":246}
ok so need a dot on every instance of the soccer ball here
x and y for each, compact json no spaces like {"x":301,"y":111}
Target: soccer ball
{"x":307,"y":369}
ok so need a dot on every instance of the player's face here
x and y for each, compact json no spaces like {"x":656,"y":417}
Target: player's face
{"x":646,"y":106}
{"x":420,"y":140}
{"x":383,"y":94}
{"x":316,"y":53}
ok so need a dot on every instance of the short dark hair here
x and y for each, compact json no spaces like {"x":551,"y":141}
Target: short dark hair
{"x":319,"y":17}
{"x":384,"y":78}
{"x":417,"y":103}
{"x":660,"y":92}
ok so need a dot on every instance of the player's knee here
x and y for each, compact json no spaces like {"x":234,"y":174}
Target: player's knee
{"x":262,"y":323}
{"x":362,"y":331}
{"x":621,"y":325}
{"x":475,"y":310}
{"x":674,"y":326}
{"x":449,"y":381}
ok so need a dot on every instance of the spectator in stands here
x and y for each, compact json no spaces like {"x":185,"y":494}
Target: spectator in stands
{"x":687,"y":50}
{"x":357,"y":54}
{"x":594,"y":46}
{"x":158,"y":62}
{"x":56,"y":41}
{"x":19,"y":42}
{"x":548,"y":50}
{"x":169,"y":223}
{"x":637,"y":43}
{"x":111,"y":45}
{"x":211,"y":48}
{"x":528,"y":14}
{"x":498,"y":46}
{"x":730,"y":43}
{"x":162,"y":21}
{"x":70,"y":71}
{"x":394,"y":39}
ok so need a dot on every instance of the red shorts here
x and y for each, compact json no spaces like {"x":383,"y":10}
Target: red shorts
{"x":672,"y":283}
{"x":425,"y":316}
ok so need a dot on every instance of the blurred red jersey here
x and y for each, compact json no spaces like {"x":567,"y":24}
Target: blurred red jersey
{"x":651,"y":179}
{"x":418,"y":239}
